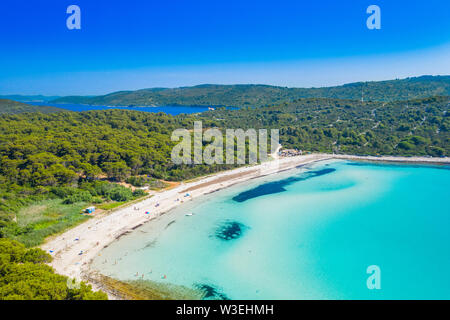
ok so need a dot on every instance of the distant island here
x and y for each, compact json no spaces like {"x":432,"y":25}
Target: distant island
{"x":261,"y":95}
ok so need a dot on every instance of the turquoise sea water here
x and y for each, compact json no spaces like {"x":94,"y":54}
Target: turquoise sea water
{"x":307,"y":233}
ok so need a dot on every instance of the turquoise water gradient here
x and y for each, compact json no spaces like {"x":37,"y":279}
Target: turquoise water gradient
{"x":308,"y":233}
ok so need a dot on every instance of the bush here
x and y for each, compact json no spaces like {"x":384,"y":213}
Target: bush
{"x":97,"y":200}
{"x":405,"y":145}
{"x":139,"y":193}
{"x":81,"y":196}
{"x":436,"y":151}
{"x":136,"y":181}
{"x":120,"y":194}
{"x":63,"y":192}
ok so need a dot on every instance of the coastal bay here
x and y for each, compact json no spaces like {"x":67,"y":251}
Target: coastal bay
{"x":102,"y":231}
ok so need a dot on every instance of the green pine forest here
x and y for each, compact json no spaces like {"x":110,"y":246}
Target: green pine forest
{"x":54,"y":163}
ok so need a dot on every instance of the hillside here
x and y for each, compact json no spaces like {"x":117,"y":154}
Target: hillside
{"x":415,"y":127}
{"x":54,"y":148}
{"x":261,"y":95}
{"x":14,"y":107}
{"x":25,"y":98}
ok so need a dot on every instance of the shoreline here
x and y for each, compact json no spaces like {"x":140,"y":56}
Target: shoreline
{"x":395,"y":159}
{"x":75,"y":249}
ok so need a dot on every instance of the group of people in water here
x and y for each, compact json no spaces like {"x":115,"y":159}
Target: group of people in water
{"x":147,"y":212}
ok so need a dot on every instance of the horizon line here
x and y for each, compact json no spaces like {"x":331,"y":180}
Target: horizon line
{"x":233,"y":84}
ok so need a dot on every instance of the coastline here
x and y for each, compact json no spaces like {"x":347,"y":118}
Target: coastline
{"x":395,"y":159}
{"x":74,"y":250}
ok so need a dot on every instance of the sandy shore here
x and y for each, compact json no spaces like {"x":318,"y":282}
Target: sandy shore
{"x":418,"y":160}
{"x":74,"y":250}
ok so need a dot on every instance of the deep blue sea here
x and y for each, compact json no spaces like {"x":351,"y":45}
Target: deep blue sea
{"x":307,"y":233}
{"x":173,"y":110}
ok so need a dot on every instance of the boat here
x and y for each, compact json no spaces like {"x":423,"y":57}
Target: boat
{"x":189,"y":214}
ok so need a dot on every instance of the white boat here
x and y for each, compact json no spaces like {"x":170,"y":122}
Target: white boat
{"x":189,"y":214}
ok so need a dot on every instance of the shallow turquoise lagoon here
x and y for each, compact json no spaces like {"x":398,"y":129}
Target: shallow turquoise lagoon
{"x":307,"y":233}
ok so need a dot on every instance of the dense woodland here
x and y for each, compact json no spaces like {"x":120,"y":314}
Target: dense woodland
{"x":77,"y":158}
{"x":53,"y":164}
{"x":25,"y":276}
{"x":417,"y":127}
{"x":262,"y":95}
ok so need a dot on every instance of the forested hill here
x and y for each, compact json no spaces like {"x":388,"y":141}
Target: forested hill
{"x":415,"y":127}
{"x":14,"y":107}
{"x":28,"y":98}
{"x":40,"y":150}
{"x":261,"y":95}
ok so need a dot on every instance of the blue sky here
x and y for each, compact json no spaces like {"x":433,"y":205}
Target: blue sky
{"x":135,"y":44}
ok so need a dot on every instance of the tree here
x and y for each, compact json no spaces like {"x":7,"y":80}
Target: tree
{"x":24,"y":276}
{"x":116,"y":170}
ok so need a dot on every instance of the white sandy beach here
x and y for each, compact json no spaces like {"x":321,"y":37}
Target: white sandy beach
{"x":74,"y":250}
